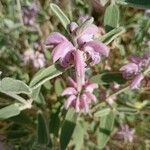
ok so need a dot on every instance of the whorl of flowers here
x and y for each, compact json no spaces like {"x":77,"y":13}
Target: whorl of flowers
{"x":76,"y":51}
{"x":137,"y":69}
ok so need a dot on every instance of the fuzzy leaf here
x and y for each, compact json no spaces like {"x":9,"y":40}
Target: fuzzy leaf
{"x":42,"y":131}
{"x":60,"y":15}
{"x":67,"y":129}
{"x":9,"y":111}
{"x":14,"y":86}
{"x":46,"y":74}
{"x":111,"y":35}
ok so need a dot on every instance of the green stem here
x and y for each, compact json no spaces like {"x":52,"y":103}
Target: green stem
{"x":19,"y":11}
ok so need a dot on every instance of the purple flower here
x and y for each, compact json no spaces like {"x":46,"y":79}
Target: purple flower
{"x":125,"y":133}
{"x":79,"y":100}
{"x":62,"y":48}
{"x":136,"y":68}
{"x":129,"y":69}
{"x":96,"y":50}
{"x":36,"y":58}
{"x":83,"y":41}
{"x":136,"y":81}
{"x":29,"y":13}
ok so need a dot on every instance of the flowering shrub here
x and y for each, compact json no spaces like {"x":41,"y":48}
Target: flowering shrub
{"x":74,"y":75}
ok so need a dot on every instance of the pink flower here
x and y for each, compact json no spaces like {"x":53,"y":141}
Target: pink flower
{"x":36,"y":58}
{"x":96,"y":50}
{"x":129,"y":69}
{"x":125,"y":133}
{"x":62,"y":48}
{"x":79,"y":100}
{"x":136,"y":81}
{"x":82,"y":40}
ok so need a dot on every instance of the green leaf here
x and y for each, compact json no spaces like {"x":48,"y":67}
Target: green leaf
{"x":102,"y":112}
{"x":14,"y":86}
{"x":111,"y":17}
{"x":135,"y":3}
{"x":67,"y":129}
{"x":58,"y":87}
{"x":108,"y":77}
{"x":78,"y":136}
{"x":127,"y":110}
{"x":60,"y":15}
{"x":46,"y":74}
{"x":9,"y":111}
{"x":105,"y":128}
{"x":42,"y":131}
{"x":111,"y":35}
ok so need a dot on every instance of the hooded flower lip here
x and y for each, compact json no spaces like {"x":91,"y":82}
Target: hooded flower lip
{"x":55,"y":38}
{"x":79,"y":100}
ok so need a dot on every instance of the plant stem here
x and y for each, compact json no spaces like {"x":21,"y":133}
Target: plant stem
{"x":19,"y":11}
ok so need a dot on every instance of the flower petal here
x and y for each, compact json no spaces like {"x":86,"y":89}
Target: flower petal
{"x":73,"y":26}
{"x":69,"y":101}
{"x":61,"y":50}
{"x":55,"y":38}
{"x":72,"y":83}
{"x":69,"y":91}
{"x":91,"y":96}
{"x":136,"y":81}
{"x":90,"y":30}
{"x":84,"y":103}
{"x":98,"y":47}
{"x":91,"y":87}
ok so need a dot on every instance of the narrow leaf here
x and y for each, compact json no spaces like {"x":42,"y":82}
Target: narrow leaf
{"x":45,"y":75}
{"x":67,"y":129}
{"x":9,"y":111}
{"x":111,"y":35}
{"x":42,"y":130}
{"x":60,"y":15}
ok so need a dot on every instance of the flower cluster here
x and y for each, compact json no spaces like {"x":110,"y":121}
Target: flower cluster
{"x":136,"y":69}
{"x":35,"y":57}
{"x":125,"y":133}
{"x":77,"y":51}
{"x":29,"y":13}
